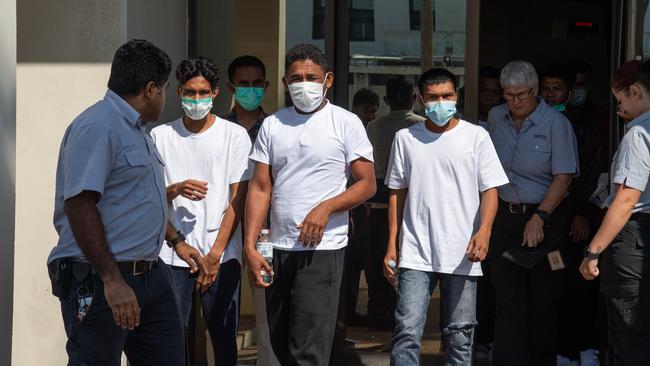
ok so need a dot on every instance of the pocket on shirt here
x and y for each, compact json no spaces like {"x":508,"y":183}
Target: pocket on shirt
{"x":540,"y":157}
{"x":140,"y":164}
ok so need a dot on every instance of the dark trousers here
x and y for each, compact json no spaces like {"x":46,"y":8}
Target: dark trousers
{"x":381,"y":295}
{"x":354,"y":258}
{"x":625,"y":272}
{"x":485,"y":306}
{"x":220,"y":305}
{"x":96,"y":340}
{"x":302,"y":304}
{"x":526,"y":299}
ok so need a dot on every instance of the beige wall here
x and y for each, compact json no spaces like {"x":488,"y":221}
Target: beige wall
{"x":7,"y":171}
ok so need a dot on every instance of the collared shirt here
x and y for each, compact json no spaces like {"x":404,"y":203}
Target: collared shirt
{"x":631,"y":163}
{"x":252,"y":133}
{"x":106,"y":149}
{"x":544,"y":146}
{"x":381,"y":133}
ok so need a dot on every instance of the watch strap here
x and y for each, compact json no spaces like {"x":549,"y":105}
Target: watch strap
{"x":590,"y":255}
{"x":177,"y":239}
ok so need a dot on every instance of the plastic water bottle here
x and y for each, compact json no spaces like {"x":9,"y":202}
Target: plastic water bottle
{"x":393,"y":266}
{"x":265,"y":248}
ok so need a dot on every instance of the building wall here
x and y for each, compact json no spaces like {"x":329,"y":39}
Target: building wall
{"x":63,"y":67}
{"x":7,"y":172}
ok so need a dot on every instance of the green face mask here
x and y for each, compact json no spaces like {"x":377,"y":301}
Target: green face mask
{"x":559,"y":107}
{"x":249,"y":98}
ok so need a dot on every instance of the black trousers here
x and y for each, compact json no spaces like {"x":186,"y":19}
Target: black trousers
{"x":96,"y":340}
{"x":354,"y":258}
{"x":526,"y":299}
{"x":625,"y":278}
{"x":302,"y":305}
{"x":381,"y":295}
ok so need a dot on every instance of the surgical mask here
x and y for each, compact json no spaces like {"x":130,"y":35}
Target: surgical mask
{"x":579,"y":97}
{"x":196,"y":109}
{"x":559,"y":107}
{"x":307,"y":95}
{"x":249,"y":98}
{"x":440,"y":112}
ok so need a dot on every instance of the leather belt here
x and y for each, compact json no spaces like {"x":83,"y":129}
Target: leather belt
{"x":136,"y":268}
{"x":519,"y":208}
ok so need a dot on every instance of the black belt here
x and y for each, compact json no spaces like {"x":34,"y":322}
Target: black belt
{"x":519,"y":208}
{"x":136,"y":268}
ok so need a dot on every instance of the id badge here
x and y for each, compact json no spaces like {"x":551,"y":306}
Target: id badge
{"x":555,"y":260}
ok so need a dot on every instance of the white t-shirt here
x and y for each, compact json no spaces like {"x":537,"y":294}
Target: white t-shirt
{"x":444,"y":174}
{"x":310,"y":158}
{"x":218,"y":156}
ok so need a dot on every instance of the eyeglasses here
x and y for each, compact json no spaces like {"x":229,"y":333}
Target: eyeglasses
{"x":520,"y":96}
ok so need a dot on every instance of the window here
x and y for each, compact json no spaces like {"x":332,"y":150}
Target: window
{"x":414,"y":14}
{"x":362,"y":20}
{"x":318,"y":23}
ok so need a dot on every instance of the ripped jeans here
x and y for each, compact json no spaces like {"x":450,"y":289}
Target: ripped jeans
{"x":458,"y":305}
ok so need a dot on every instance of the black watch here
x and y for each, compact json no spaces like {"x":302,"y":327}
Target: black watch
{"x":590,"y":255}
{"x":177,"y":239}
{"x":545,"y":216}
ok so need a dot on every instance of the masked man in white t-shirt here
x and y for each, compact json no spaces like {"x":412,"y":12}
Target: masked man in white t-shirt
{"x":206,"y":172}
{"x":442,"y":175}
{"x":303,"y":157}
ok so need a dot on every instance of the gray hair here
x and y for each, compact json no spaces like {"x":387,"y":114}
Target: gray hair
{"x":519,"y":73}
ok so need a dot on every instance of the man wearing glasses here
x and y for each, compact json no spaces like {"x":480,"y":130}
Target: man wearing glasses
{"x":537,"y":148}
{"x":206,"y":173}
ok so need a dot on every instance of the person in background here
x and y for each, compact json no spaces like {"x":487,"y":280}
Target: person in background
{"x":442,"y":175}
{"x":206,"y":172}
{"x":619,"y":253}
{"x":490,"y":93}
{"x":110,"y":212}
{"x":365,"y":104}
{"x":247,"y":82}
{"x":537,"y":148}
{"x":303,"y":158}
{"x":400,"y":97}
{"x":578,"y":322}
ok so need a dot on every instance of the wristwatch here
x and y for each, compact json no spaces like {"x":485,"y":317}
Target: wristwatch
{"x":177,"y":239}
{"x":545,"y":216}
{"x":590,"y":255}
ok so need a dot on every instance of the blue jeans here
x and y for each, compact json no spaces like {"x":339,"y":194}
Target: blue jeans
{"x":458,"y":305}
{"x":220,"y":306}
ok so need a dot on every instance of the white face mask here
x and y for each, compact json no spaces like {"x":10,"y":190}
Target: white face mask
{"x":196,"y":109}
{"x":307,"y":95}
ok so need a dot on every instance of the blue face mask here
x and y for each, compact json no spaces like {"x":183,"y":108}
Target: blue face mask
{"x":249,"y":98}
{"x":579,"y":97}
{"x":440,"y":112}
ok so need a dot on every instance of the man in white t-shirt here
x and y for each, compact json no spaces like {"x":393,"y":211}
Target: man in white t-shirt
{"x":303,"y":157}
{"x":442,"y":175}
{"x":206,"y":172}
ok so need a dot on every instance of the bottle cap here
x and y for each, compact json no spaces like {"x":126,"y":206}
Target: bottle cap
{"x":392,"y":264}
{"x":265,"y":231}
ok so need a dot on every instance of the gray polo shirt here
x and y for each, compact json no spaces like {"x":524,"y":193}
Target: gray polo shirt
{"x":631,"y":163}
{"x":381,"y":133}
{"x":544,"y":146}
{"x":106,"y":149}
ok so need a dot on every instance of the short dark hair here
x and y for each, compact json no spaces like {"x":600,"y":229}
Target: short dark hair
{"x":436,"y":76}
{"x":489,"y":72}
{"x":200,"y":66}
{"x":560,"y":71}
{"x":135,"y":64}
{"x":399,"y":91}
{"x":243,"y":61}
{"x":304,"y":52}
{"x":365,"y":96}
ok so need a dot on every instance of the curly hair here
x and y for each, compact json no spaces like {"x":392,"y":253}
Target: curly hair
{"x":304,"y":52}
{"x":200,"y":66}
{"x":135,"y":64}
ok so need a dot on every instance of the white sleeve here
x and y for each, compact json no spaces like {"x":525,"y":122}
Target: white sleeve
{"x":397,"y":174}
{"x":262,"y":149}
{"x":240,"y":166}
{"x":490,"y":171}
{"x":356,"y":141}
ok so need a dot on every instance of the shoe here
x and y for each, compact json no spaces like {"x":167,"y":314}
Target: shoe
{"x":565,"y":361}
{"x":589,"y":358}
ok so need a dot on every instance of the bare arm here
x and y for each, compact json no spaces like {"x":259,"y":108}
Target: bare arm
{"x":313,"y":226}
{"x":257,"y":206}
{"x":477,"y":248}
{"x":186,"y":252}
{"x":396,"y":201}
{"x":534,"y":230}
{"x":88,"y":230}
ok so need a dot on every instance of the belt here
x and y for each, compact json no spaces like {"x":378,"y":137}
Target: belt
{"x":377,"y":206}
{"x":519,"y":208}
{"x":136,"y":268}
